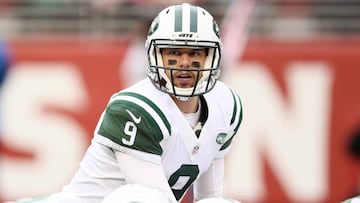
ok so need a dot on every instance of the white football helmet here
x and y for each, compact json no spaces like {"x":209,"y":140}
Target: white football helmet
{"x":136,"y":193}
{"x":184,"y":26}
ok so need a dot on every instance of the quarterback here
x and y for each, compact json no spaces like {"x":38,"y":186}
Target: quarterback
{"x":171,"y":130}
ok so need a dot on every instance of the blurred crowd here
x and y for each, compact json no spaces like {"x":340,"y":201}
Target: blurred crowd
{"x":275,"y":18}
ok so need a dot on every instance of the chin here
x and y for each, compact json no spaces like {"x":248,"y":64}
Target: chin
{"x":185,"y":85}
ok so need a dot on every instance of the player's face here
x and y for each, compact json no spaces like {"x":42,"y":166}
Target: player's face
{"x":185,"y":59}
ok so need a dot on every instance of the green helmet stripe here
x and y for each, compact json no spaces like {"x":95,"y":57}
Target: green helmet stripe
{"x":193,"y":19}
{"x":178,"y":18}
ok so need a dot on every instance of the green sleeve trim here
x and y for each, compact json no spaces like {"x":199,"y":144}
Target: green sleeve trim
{"x":119,"y":126}
{"x":240,"y":116}
{"x":237,"y":113}
{"x":235,"y":109}
{"x":151,"y":104}
{"x":227,"y":143}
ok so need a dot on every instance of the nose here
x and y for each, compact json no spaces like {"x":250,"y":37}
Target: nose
{"x":185,"y":61}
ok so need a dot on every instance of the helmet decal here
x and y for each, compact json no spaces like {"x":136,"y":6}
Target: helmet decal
{"x":154,"y":26}
{"x":216,"y":28}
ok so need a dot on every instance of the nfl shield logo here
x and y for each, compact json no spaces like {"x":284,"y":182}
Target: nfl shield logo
{"x":195,"y":149}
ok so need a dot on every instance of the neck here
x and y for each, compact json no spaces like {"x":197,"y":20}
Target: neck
{"x":189,"y":106}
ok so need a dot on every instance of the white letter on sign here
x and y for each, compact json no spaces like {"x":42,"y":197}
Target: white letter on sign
{"x":290,"y":130}
{"x":56,"y":140}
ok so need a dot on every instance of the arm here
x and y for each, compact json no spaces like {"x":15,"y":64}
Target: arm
{"x":210,"y":184}
{"x":144,"y":173}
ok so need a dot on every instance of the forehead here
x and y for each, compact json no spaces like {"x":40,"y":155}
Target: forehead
{"x":183,"y":49}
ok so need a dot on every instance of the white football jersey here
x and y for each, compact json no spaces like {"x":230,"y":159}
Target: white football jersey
{"x":146,"y":123}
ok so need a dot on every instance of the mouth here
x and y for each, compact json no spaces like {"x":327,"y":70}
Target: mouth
{"x":184,"y":79}
{"x":184,"y":76}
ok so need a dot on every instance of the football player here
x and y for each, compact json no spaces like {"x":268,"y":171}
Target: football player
{"x":171,"y":130}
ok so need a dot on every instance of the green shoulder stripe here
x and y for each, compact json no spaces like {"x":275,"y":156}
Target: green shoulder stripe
{"x":227,"y":143}
{"x":236,"y":117}
{"x":237,"y":108}
{"x":151,"y":104}
{"x":240,"y":116}
{"x":134,"y":122}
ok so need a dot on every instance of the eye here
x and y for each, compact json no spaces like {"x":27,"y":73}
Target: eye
{"x":195,"y":53}
{"x":174,"y":53}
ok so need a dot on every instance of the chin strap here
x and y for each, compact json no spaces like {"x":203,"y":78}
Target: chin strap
{"x":181,"y":98}
{"x":203,"y":116}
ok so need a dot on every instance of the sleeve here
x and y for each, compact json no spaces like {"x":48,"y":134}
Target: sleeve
{"x":210,"y":183}
{"x":129,"y":125}
{"x":236,"y":119}
{"x":132,"y":169}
